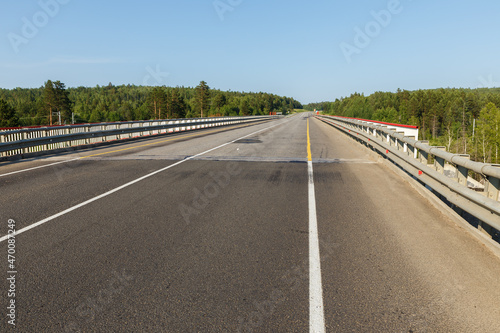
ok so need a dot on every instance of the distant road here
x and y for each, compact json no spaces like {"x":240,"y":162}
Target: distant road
{"x":211,"y":231}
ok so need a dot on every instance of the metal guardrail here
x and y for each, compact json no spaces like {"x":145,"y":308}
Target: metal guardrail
{"x":30,"y":140}
{"x":414,"y":156}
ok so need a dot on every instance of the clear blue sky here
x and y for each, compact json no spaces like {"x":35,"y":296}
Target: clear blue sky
{"x":291,"y":48}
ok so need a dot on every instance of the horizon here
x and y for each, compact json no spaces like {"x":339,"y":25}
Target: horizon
{"x":265,"y":92}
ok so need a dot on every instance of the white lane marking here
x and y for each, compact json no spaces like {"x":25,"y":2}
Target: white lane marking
{"x":50,"y":218}
{"x":38,"y":167}
{"x":316,"y":311}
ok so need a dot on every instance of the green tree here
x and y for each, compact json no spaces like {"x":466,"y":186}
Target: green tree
{"x":142,"y":112}
{"x":202,"y":100}
{"x":388,"y":114}
{"x":244,"y":107}
{"x":34,"y":106}
{"x":159,"y":101}
{"x":63,"y":103}
{"x":96,"y":116}
{"x":56,"y":99}
{"x":8,"y":116}
{"x":177,"y":104}
{"x":219,"y":101}
{"x":487,"y":129}
{"x":113,"y":116}
{"x":49,"y":98}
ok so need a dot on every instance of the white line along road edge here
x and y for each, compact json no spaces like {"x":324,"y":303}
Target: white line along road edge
{"x":316,"y":310}
{"x":38,"y":167}
{"x":50,"y":218}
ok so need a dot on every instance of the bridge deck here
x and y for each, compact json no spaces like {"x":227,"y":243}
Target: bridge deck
{"x":149,"y":236}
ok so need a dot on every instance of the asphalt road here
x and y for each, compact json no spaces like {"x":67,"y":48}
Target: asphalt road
{"x":151,"y":236}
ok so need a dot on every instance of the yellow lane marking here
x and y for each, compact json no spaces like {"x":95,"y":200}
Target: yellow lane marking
{"x":155,"y":143}
{"x":309,"y":155}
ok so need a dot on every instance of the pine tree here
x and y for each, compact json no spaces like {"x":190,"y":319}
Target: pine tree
{"x":49,"y":98}
{"x":63,"y":103}
{"x":202,"y":97}
{"x":177,"y":104}
{"x":8,"y":116}
{"x":244,"y":107}
{"x":159,"y":101}
{"x":488,"y":128}
{"x":56,"y":99}
{"x":219,"y":101}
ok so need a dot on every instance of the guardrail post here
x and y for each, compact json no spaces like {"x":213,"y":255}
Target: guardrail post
{"x":68,"y":131}
{"x":411,"y":150}
{"x":423,"y":155}
{"x":25,"y":150}
{"x":398,"y":143}
{"x":87,"y":129}
{"x":46,"y":146}
{"x":462,"y":172}
{"x":393,"y":142}
{"x":492,"y":186}
{"x":2,"y":140}
{"x":439,"y":161}
{"x":103,"y":128}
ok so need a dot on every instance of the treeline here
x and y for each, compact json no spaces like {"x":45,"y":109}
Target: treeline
{"x":466,"y":121}
{"x":34,"y":106}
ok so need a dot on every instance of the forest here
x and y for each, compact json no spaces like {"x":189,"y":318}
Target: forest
{"x":42,"y":106}
{"x":465,"y":121}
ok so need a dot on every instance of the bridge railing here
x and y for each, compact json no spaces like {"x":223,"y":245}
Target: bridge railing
{"x":30,"y":140}
{"x":428,"y":163}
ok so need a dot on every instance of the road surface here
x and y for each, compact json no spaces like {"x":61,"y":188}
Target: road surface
{"x":212,"y":231}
